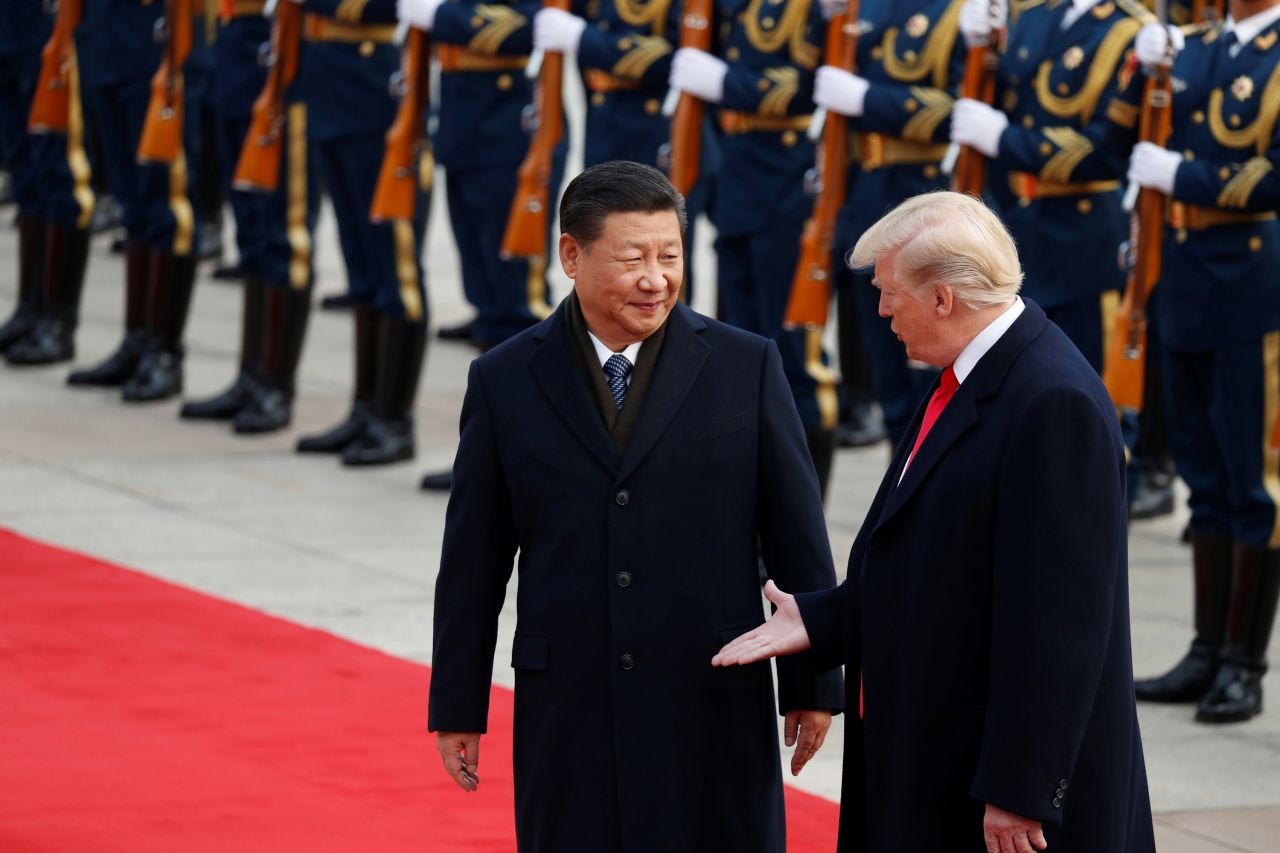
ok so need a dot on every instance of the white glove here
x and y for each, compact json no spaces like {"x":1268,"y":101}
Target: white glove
{"x":1154,"y":167}
{"x":699,"y":73}
{"x":1152,"y":45}
{"x":977,"y":125}
{"x":557,"y":31}
{"x":420,"y":14}
{"x":839,"y":91}
{"x":831,"y":8}
{"x":979,"y":17}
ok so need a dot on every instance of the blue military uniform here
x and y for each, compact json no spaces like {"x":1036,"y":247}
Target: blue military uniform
{"x":1056,"y":189}
{"x":347,"y":63}
{"x":911,"y":55}
{"x":273,"y":230}
{"x":1219,"y":314}
{"x":480,"y":141}
{"x":120,"y":49}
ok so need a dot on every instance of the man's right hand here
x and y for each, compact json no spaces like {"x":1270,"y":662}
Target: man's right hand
{"x":460,"y":752}
{"x":784,"y":634}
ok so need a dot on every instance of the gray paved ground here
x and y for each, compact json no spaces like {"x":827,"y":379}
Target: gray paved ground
{"x":355,"y":552}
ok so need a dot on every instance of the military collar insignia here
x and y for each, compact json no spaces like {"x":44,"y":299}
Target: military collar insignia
{"x":1024,"y":53}
{"x":1102,"y":10}
{"x":1266,"y":41}
{"x":1242,"y":88}
{"x":1177,"y":84}
{"x":917,"y":25}
{"x":863,"y":26}
{"x":1073,"y":57}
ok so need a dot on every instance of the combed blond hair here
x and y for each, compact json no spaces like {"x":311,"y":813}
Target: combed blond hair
{"x":946,"y":238}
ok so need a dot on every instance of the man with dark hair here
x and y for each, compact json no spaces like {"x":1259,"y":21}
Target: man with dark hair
{"x":642,"y":459}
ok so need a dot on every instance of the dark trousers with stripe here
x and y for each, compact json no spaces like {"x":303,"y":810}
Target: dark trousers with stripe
{"x":1222,"y":407}
{"x":18,"y":75}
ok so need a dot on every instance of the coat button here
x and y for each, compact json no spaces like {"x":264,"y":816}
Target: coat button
{"x":627,"y":662}
{"x":1060,"y":793}
{"x":1057,"y":802}
{"x":622,"y":498}
{"x":1062,"y":783}
{"x":624,"y":579}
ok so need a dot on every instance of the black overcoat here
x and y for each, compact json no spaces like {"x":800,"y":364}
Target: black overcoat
{"x":987,"y":609}
{"x":633,"y":572}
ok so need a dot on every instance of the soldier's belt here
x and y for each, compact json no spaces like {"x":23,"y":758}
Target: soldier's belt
{"x":734,"y":122}
{"x":319,"y":28}
{"x":1027,"y":187}
{"x":602,"y":81}
{"x":228,"y":9}
{"x":1193,"y":217}
{"x":454,"y":57}
{"x":876,"y":150}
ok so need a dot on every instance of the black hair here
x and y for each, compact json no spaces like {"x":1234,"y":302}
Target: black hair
{"x":616,"y":186}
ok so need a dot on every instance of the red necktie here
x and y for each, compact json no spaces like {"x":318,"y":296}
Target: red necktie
{"x":947,"y":385}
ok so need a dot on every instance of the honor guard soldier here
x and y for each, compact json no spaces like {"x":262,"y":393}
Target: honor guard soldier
{"x":273,"y":227}
{"x":121,"y":45}
{"x":347,"y":61}
{"x":480,"y":140}
{"x":762,"y":82}
{"x":909,"y":64}
{"x":1054,"y":186}
{"x":1219,"y":313}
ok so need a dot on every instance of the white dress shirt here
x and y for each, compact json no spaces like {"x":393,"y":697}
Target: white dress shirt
{"x":1077,"y":10}
{"x":1248,"y":29}
{"x":603,"y":353}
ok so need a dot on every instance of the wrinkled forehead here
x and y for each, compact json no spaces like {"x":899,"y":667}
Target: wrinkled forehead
{"x":637,"y":230}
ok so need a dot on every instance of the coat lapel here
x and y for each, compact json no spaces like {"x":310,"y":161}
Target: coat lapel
{"x":679,"y":363}
{"x":962,"y":412}
{"x":561,"y":381}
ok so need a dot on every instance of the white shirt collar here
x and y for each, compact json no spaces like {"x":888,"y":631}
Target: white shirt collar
{"x":985,"y":340}
{"x":603,"y":352}
{"x":1077,"y":10}
{"x":1251,"y":27}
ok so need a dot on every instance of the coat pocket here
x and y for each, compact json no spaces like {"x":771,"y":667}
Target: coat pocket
{"x":716,"y":429}
{"x":531,"y":654}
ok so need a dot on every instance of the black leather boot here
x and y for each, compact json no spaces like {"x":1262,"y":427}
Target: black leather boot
{"x":53,"y":338}
{"x":119,"y":366}
{"x":270,"y":405}
{"x":32,"y":238}
{"x":1236,"y":694}
{"x":822,"y":447}
{"x":224,"y":406}
{"x":1191,"y":678}
{"x":159,"y":372}
{"x":389,"y":434}
{"x":366,"y":351}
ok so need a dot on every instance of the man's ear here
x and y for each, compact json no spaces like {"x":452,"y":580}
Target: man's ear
{"x":944,"y":300}
{"x":570,"y":255}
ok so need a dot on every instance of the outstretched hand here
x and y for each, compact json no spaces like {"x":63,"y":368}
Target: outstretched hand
{"x":784,"y":634}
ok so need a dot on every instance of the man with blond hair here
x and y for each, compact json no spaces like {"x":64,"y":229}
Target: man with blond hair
{"x":986,"y":605}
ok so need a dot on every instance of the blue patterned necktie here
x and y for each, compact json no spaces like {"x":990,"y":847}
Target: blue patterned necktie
{"x":616,"y":370}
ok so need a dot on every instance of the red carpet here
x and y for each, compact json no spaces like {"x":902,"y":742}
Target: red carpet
{"x":140,"y":716}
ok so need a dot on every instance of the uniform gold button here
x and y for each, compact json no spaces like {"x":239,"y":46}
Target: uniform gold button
{"x":1010,"y":101}
{"x":1234,"y":121}
{"x":652,"y":106}
{"x":505,"y":82}
{"x":767,"y":22}
{"x":732,"y":54}
{"x":1255,"y":244}
{"x":1063,"y":89}
{"x":477,"y":21}
{"x":1189,"y":154}
{"x":625,"y":44}
{"x":1181,"y":235}
{"x":909,"y":55}
{"x":763,"y":85}
{"x":1084,"y":205}
{"x":1028,"y":122}
{"x":931,"y":171}
{"x":1197,"y":117}
{"x":877,"y":53}
{"x":597,"y":99}
{"x":366,"y":49}
{"x":1224,"y":173}
{"x":910,"y":105}
{"x":789,"y":138}
{"x":1046,"y":149}
{"x":1024,"y":202}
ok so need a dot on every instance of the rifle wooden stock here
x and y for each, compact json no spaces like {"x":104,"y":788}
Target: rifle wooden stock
{"x":811,"y":285}
{"x":51,"y":106}
{"x":258,"y":168}
{"x":396,"y":194}
{"x":161,"y":139}
{"x":526,"y":234}
{"x":970,"y":174}
{"x":1126,"y":357}
{"x":686,"y":124}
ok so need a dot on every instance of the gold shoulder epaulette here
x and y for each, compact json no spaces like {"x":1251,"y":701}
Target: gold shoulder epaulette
{"x":1134,"y":9}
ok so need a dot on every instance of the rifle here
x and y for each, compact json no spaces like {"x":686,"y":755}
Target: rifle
{"x":684,"y":151}
{"x":51,"y":107}
{"x":258,"y":168}
{"x":811,"y":285}
{"x":968,"y":167}
{"x":397,"y":191}
{"x":161,"y":139}
{"x":1204,"y":11}
{"x":1126,"y":357}
{"x":526,"y":234}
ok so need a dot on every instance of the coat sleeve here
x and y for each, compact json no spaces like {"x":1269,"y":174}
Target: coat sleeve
{"x":480,"y":542}
{"x":1059,"y":548}
{"x":793,"y":531}
{"x":824,"y":621}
